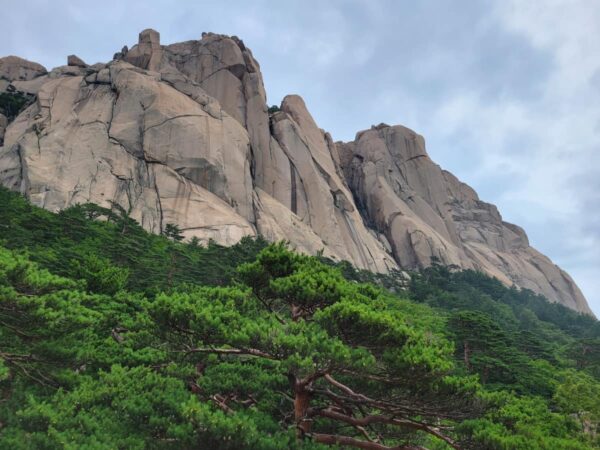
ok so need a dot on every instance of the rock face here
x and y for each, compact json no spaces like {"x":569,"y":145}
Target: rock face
{"x":181,"y":134}
{"x":426,"y":213}
{"x":120,"y":135}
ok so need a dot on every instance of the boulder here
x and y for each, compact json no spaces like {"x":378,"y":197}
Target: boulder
{"x":13,"y":68}
{"x":74,"y":60}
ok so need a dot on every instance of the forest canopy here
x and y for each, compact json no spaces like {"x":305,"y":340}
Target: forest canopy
{"x":111,"y":337}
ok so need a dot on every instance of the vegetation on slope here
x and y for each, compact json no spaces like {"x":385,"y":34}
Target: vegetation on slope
{"x":111,"y":337}
{"x":12,"y":103}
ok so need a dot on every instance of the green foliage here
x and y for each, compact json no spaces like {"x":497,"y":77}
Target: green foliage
{"x":585,"y":355}
{"x":578,"y":394}
{"x":485,"y":347}
{"x":60,"y":242}
{"x":12,"y":103}
{"x":521,"y":423}
{"x":504,"y":329}
{"x":172,"y":231}
{"x":123,"y":408}
{"x":101,"y":276}
{"x":111,"y":337}
{"x":273,"y":109}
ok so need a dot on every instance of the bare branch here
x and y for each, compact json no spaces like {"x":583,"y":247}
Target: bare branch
{"x":221,"y":403}
{"x":347,"y":390}
{"x":371,"y":419}
{"x":269,"y":308}
{"x":393,"y":406}
{"x":232,"y":351}
{"x":334,"y":439}
{"x":309,"y":379}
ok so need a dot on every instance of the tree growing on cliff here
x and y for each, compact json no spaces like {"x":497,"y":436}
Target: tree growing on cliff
{"x":173,"y":232}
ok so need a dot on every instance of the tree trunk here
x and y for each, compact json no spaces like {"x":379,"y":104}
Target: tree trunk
{"x":301,"y":405}
{"x":171,"y":269}
{"x":296,"y":313}
{"x":333,"y":439}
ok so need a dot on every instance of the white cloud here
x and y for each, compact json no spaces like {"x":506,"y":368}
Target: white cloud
{"x":560,"y":132}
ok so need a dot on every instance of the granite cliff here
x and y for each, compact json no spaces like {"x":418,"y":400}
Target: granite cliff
{"x":181,"y":134}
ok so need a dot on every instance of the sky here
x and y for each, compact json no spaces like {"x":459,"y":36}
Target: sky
{"x":505,"y":92}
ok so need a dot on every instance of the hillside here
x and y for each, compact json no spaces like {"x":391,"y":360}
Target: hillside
{"x":182,"y":134}
{"x":112,"y":337}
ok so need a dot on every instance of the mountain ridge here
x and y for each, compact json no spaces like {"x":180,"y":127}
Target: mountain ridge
{"x":182,"y":134}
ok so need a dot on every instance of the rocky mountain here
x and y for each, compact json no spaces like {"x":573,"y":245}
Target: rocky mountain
{"x":182,"y":134}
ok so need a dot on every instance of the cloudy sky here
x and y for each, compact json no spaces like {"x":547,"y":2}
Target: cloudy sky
{"x":506,"y":93}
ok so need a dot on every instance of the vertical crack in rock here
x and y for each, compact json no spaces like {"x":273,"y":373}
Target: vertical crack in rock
{"x":294,"y":199}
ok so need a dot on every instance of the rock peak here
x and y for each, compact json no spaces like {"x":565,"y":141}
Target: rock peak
{"x":381,"y":126}
{"x":149,"y":36}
